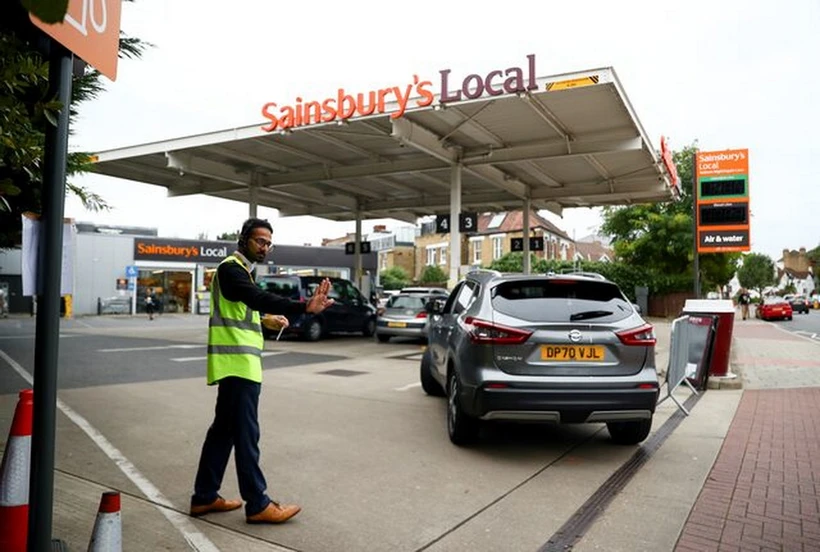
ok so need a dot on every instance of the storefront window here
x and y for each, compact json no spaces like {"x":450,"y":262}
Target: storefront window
{"x":171,"y":289}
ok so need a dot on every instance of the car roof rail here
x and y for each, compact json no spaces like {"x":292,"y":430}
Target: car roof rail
{"x":585,"y":273}
{"x":487,"y":271}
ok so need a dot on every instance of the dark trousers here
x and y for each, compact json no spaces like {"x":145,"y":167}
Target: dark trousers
{"x":235,"y":426}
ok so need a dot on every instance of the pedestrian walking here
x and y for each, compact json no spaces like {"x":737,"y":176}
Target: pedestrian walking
{"x":150,"y":303}
{"x":745,"y":300}
{"x":235,"y":344}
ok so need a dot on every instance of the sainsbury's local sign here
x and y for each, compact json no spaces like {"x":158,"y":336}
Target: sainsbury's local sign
{"x":186,"y":251}
{"x":397,"y":99}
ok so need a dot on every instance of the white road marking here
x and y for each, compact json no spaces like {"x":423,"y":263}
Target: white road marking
{"x":408,"y":386}
{"x":797,"y":333}
{"x":182,"y":523}
{"x":153,"y":348}
{"x":191,"y":359}
{"x":33,"y":336}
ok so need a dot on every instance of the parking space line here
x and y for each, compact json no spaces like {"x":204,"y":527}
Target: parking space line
{"x":153,"y":348}
{"x":408,"y":386}
{"x":181,"y":522}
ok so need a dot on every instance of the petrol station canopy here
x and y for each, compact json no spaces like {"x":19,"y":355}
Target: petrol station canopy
{"x":563,"y":141}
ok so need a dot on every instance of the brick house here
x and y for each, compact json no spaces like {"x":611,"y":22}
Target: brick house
{"x":491,"y":241}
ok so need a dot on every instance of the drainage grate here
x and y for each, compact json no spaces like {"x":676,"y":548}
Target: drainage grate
{"x":342,"y":373}
{"x":579,"y":523}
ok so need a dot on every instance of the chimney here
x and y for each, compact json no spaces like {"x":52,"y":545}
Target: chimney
{"x":380,"y":228}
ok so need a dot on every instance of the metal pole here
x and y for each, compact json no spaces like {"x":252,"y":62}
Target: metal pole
{"x":47,"y":335}
{"x":695,"y":254}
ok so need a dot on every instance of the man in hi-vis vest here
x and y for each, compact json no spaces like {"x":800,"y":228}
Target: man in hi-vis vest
{"x":235,"y":345}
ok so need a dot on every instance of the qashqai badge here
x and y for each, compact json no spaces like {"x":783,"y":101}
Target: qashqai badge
{"x":575,"y":336}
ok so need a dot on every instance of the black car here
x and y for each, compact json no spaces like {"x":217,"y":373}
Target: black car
{"x":799,"y":304}
{"x":350,"y":313}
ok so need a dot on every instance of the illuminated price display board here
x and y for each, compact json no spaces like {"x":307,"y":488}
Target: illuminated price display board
{"x":722,"y":201}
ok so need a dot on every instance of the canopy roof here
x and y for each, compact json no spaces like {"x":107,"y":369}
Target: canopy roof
{"x":575,"y":141}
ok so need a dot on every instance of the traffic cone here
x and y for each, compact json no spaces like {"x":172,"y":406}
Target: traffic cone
{"x":14,"y":477}
{"x":107,"y":535}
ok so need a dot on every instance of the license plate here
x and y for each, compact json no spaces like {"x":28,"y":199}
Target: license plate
{"x":397,"y":324}
{"x":583,"y":353}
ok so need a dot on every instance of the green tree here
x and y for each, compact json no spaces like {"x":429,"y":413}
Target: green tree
{"x":228,"y":236}
{"x":756,"y":272}
{"x":394,"y":278}
{"x":26,"y":107}
{"x":659,"y":237}
{"x":433,"y":274}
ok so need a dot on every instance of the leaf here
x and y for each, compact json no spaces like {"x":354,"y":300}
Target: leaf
{"x":8,"y":188}
{"x":48,"y":11}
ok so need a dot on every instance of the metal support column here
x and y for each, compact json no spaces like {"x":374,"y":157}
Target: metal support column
{"x":253,"y":197}
{"x":47,"y":332}
{"x":525,"y":228}
{"x":455,"y":231}
{"x":357,"y":261}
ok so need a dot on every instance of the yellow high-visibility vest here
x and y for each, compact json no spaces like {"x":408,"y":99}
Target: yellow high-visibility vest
{"x":235,"y":341}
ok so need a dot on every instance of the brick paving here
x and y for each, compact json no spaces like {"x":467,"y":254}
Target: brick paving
{"x":763,"y":492}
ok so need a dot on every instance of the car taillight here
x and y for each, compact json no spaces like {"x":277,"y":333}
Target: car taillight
{"x":642,"y":335}
{"x":422,"y":314}
{"x":486,"y":333}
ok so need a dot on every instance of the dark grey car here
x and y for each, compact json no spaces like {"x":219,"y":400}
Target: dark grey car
{"x":547,"y":348}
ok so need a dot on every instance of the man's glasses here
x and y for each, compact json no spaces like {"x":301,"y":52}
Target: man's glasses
{"x":262,"y":242}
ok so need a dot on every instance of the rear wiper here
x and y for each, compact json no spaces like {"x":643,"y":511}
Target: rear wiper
{"x":589,"y":314}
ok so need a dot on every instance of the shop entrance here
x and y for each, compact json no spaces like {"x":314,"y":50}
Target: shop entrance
{"x":171,"y":288}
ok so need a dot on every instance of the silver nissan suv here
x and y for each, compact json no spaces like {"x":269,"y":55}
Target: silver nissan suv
{"x":566,"y":348}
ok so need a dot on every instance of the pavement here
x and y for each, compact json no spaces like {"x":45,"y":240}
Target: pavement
{"x":741,"y":472}
{"x":763,"y":492}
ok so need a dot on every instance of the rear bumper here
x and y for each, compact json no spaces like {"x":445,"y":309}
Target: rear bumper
{"x":412,"y":329}
{"x":564,"y":404}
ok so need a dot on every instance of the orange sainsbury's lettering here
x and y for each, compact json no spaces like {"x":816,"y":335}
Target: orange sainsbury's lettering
{"x":344,"y":105}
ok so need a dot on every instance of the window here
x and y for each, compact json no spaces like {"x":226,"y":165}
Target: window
{"x":498,"y":247}
{"x":383,"y":260}
{"x":431,"y":256}
{"x":476,"y":252}
{"x":443,"y":256}
{"x":497,"y":219}
{"x":561,"y":301}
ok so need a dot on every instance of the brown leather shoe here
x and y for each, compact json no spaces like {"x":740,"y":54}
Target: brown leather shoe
{"x":218,"y":505}
{"x":275,"y":513}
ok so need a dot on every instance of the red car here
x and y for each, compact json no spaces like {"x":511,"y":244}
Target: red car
{"x":774,"y":308}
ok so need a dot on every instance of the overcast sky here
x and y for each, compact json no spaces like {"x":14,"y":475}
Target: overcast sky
{"x":729,"y":74}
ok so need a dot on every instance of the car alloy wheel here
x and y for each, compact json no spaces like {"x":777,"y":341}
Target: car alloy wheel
{"x":314,"y":330}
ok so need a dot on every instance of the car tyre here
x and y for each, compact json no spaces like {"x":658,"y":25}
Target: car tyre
{"x":462,"y":429}
{"x":369,"y":327}
{"x":313,"y":331}
{"x":629,"y":433}
{"x":383,"y":338}
{"x":428,"y":382}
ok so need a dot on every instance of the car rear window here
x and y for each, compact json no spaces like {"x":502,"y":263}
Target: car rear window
{"x":407,"y":302}
{"x":286,"y":287}
{"x":561,"y":301}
